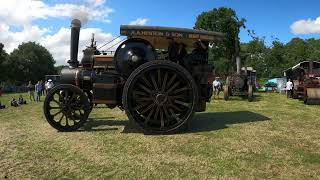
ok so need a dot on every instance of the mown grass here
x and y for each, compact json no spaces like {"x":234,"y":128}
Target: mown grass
{"x":272,"y":137}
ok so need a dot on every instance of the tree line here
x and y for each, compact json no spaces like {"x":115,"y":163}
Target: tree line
{"x":269,"y":60}
{"x":29,"y":62}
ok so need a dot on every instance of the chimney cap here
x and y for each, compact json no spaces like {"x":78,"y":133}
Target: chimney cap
{"x":76,"y":23}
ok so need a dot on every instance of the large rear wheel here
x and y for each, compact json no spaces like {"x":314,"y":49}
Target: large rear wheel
{"x":66,"y":107}
{"x":160,"y":97}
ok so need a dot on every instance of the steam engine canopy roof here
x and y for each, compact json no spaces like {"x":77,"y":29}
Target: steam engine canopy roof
{"x":304,"y":65}
{"x":159,"y":36}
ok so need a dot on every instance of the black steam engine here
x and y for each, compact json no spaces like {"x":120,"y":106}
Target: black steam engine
{"x":241,"y":84}
{"x":159,"y":76}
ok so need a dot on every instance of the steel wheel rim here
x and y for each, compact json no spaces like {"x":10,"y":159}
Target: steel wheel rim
{"x":161,"y":98}
{"x":65,"y":109}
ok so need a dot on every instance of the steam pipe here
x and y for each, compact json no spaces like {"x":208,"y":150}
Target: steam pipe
{"x":75,"y":31}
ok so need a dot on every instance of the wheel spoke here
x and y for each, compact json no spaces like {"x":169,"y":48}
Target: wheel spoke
{"x":146,"y":81}
{"x":176,"y":108}
{"x":180,"y":90}
{"x":145,"y":88}
{"x":159,"y":78}
{"x":54,"y":107}
{"x":149,"y":116}
{"x":171,"y":80}
{"x":141,"y":106}
{"x":149,"y":107}
{"x":177,"y":97}
{"x":140,"y":93}
{"x":56,"y":113}
{"x":183,"y":103}
{"x":156,"y":114}
{"x":61,"y":118}
{"x":144,"y":99}
{"x":67,"y":121}
{"x":164,"y":82}
{"x":154,"y":82}
{"x":55,"y":101}
{"x":174,"y":115}
{"x":173,"y":86}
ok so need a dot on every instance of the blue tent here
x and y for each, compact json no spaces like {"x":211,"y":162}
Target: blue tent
{"x":278,"y":83}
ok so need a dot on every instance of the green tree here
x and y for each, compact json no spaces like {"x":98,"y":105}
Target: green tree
{"x":276,"y":60}
{"x":254,"y":54}
{"x":222,"y":20}
{"x":30,"y":61}
{"x":297,"y":50}
{"x":314,"y":48}
{"x":3,"y":60}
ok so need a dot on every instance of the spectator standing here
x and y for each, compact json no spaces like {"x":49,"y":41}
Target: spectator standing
{"x":216,"y":84}
{"x":289,"y":88}
{"x":42,"y":88}
{"x":31,"y":91}
{"x":38,"y":89}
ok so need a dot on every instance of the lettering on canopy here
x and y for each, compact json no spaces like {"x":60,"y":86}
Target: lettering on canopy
{"x":167,"y":34}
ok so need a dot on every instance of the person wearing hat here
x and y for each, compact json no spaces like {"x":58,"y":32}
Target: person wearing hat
{"x":49,"y":85}
{"x":197,"y":56}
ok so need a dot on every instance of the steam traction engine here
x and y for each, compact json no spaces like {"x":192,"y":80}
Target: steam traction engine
{"x":305,"y":78}
{"x":159,"y":76}
{"x":241,"y":84}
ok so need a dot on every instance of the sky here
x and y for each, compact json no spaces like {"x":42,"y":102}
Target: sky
{"x":47,"y":22}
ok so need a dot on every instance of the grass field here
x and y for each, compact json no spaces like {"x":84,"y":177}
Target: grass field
{"x":273,"y":137}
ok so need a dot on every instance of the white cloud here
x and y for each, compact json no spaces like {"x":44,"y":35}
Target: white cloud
{"x":96,"y":3}
{"x":59,"y":43}
{"x":17,"y":13}
{"x":308,"y":26}
{"x":11,"y":39}
{"x":139,"y":21}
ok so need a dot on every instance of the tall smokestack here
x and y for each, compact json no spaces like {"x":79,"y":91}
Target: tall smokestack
{"x":237,"y":54}
{"x":75,"y":31}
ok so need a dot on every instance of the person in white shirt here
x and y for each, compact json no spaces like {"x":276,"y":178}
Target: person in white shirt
{"x":289,"y":88}
{"x":216,"y":84}
{"x":49,"y":85}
